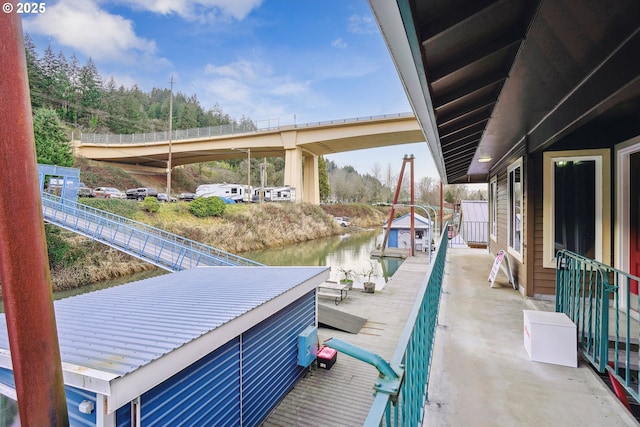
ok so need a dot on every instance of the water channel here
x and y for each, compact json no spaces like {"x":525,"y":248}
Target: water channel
{"x":348,"y":252}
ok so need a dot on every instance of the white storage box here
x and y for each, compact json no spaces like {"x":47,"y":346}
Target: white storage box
{"x":550,"y":337}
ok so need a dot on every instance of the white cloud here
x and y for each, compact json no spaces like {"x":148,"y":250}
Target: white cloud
{"x":237,"y":70}
{"x":339,"y":43}
{"x":361,"y":24}
{"x":85,"y":27}
{"x":290,"y":88}
{"x":251,"y":88}
{"x":198,"y":10}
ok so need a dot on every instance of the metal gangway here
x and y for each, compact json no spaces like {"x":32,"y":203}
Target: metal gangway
{"x":161,"y":248}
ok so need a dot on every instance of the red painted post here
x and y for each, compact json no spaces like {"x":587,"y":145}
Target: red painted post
{"x":393,"y":209}
{"x":24,"y":267}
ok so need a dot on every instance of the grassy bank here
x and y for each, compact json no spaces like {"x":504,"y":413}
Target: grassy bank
{"x":78,"y":261}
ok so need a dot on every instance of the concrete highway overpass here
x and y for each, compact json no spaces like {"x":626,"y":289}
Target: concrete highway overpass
{"x":299,"y":144}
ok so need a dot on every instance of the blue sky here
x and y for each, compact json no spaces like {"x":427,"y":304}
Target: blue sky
{"x":274,"y":61}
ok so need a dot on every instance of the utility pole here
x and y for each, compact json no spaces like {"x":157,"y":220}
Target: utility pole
{"x":248,"y":175}
{"x":170,"y":132}
{"x":263,"y":177}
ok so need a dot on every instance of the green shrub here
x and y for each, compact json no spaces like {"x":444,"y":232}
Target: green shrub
{"x":60,"y":251}
{"x":207,"y":206}
{"x":151,"y":204}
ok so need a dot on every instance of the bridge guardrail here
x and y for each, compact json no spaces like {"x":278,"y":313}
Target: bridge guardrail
{"x":211,"y":131}
{"x":166,"y":250}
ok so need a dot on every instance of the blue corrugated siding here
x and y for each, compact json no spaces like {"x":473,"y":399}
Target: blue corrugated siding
{"x":270,"y":358}
{"x":74,"y":397}
{"x":123,"y":416}
{"x":6,"y":378}
{"x":206,"y":393}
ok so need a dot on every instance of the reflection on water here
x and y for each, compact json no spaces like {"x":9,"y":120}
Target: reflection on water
{"x":109,"y":283}
{"x":346,"y":252}
{"x":101,"y":285}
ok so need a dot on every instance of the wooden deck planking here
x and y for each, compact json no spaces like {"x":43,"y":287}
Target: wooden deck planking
{"x":342,"y":396}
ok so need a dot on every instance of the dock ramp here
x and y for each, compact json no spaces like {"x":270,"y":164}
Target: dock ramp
{"x":333,"y":318}
{"x":161,"y":248}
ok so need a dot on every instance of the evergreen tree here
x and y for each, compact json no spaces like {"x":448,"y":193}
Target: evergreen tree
{"x":109,"y":104}
{"x":52,"y":143}
{"x":90,"y":93}
{"x":187,"y":117}
{"x":62,"y":86}
{"x":323,"y":179}
{"x":34,"y":72}
{"x":73,"y":74}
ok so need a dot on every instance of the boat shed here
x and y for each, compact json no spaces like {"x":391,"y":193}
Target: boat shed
{"x":210,"y":345}
{"x":474,"y":226}
{"x":400,"y":232}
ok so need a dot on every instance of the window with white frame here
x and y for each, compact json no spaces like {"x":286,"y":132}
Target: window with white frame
{"x":514,"y":187}
{"x":493,"y":197}
{"x":575,"y":185}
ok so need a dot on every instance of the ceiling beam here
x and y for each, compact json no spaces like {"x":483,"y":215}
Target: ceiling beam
{"x":594,"y":94}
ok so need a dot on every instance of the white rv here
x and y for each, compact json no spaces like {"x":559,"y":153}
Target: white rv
{"x":235,"y":192}
{"x":275,"y":194}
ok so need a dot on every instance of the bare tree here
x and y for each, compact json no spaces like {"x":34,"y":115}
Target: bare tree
{"x":390,"y":181}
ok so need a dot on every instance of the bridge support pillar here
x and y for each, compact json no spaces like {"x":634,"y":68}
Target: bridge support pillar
{"x":293,"y":171}
{"x":311,"y":180}
{"x":306,"y":184}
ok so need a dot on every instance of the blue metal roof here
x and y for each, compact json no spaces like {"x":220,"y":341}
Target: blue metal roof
{"x":118,"y":330}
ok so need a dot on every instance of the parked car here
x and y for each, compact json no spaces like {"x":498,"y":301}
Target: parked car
{"x":109,"y":193}
{"x":343,"y":221}
{"x":162,"y":197}
{"x":86,"y":192}
{"x":187,"y":197}
{"x":141,"y":193}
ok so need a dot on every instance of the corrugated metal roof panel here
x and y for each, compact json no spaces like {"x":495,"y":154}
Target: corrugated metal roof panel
{"x":404,"y":221}
{"x":121,"y":329}
{"x":475,"y":210}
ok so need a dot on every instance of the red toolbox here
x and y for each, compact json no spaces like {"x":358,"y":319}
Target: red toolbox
{"x":327,"y":357}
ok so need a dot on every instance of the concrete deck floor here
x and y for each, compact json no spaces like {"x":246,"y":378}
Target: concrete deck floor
{"x":481,"y":374}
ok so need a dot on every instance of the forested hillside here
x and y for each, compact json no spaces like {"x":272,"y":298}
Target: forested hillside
{"x":87,"y":101}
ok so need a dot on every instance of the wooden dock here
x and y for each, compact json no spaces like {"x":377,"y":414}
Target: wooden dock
{"x":390,"y":253}
{"x":342,"y":396}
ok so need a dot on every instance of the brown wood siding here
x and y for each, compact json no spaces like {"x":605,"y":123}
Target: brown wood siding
{"x":518,"y":268}
{"x":544,"y":279}
{"x":502,"y":207}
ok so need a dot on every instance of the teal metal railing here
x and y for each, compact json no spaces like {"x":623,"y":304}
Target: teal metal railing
{"x":161,"y":248}
{"x":599,"y":300}
{"x":401,"y":403}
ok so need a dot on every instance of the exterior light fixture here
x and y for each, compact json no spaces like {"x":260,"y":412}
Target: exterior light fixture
{"x":86,"y":407}
{"x":484,"y":159}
